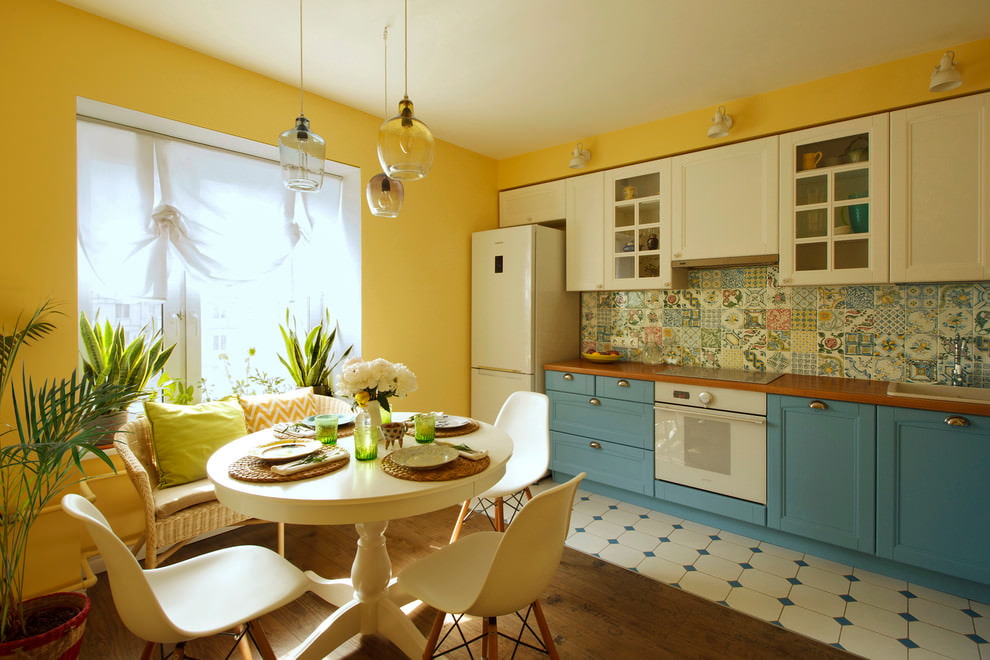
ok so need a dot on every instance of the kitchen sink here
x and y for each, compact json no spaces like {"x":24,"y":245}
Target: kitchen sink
{"x":943,"y":392}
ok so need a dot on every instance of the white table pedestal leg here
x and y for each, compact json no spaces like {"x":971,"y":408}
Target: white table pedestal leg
{"x":370,"y":611}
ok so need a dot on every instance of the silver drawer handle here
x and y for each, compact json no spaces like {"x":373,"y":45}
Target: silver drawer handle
{"x":567,"y":377}
{"x":594,"y":402}
{"x":956,"y":420}
{"x":817,"y":405}
{"x":623,"y":383}
{"x":594,"y":444}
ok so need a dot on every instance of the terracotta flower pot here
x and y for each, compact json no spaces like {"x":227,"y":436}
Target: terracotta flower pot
{"x":61,"y":642}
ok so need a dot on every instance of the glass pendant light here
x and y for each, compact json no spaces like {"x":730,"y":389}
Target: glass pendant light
{"x":405,"y":144}
{"x":384,"y":193}
{"x":301,"y":151}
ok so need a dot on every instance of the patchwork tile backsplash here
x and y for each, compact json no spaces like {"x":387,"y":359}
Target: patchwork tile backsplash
{"x":741,"y":318}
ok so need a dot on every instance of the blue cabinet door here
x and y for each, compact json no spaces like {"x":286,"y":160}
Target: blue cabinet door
{"x":598,"y":418}
{"x":821,"y":470}
{"x":933,"y":509}
{"x":617,"y":465}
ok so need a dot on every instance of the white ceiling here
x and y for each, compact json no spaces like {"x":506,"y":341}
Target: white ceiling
{"x":505,"y":77}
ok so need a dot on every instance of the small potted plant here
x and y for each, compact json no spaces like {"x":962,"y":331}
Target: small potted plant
{"x":310,"y":361}
{"x":53,"y":428}
{"x":110,"y":358}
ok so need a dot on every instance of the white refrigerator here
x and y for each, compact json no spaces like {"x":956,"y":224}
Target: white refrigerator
{"x":521,"y":314}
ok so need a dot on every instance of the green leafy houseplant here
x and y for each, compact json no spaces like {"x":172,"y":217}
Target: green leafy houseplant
{"x":110,"y":358}
{"x":53,"y":428}
{"x":310,"y":361}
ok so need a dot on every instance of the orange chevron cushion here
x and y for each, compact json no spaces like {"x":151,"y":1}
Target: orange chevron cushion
{"x":262,"y":411}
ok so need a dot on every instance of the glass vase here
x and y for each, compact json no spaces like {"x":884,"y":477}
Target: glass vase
{"x":365,"y":437}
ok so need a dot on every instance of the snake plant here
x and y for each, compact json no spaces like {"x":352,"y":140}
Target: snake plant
{"x":54,"y":426}
{"x":109,"y":358}
{"x":311,"y":360}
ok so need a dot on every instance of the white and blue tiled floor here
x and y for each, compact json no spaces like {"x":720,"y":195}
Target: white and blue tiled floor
{"x":862,"y":612}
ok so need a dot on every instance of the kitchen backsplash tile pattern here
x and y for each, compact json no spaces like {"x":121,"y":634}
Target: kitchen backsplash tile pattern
{"x":742,"y":318}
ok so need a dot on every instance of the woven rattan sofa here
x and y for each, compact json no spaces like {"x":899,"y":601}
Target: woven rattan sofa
{"x":177,"y":515}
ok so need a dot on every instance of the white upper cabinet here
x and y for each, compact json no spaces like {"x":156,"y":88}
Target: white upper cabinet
{"x":833,"y":203}
{"x":585,"y":227}
{"x":637,"y":227}
{"x":544,"y":202}
{"x":940,"y":191}
{"x":725,"y":202}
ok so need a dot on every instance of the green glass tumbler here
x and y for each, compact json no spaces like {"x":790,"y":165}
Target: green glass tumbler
{"x":425,"y":427}
{"x":326,"y":429}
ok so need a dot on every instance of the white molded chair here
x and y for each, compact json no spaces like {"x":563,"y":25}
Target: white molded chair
{"x":489,"y":574}
{"x":220,"y":591}
{"x":525,"y":416}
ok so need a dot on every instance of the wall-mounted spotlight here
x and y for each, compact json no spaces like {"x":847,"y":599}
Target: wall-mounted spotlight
{"x":579,"y":157}
{"x":721,"y":123}
{"x":946,"y":75}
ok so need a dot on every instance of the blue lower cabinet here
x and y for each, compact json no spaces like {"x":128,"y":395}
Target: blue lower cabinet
{"x":613,"y":464}
{"x":933,"y":510}
{"x":600,"y":418}
{"x":821,"y":470}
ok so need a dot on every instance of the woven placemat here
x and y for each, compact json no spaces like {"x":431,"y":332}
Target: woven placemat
{"x":456,"y":469}
{"x":470,"y":427}
{"x":250,"y":468}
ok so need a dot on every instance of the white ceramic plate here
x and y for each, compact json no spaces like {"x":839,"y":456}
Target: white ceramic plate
{"x":342,"y":418}
{"x":424,"y":457}
{"x":285,"y":451}
{"x":447,"y":422}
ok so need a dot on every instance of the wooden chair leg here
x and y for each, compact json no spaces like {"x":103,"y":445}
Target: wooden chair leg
{"x":460,"y":520}
{"x":431,"y":641}
{"x":499,"y":515}
{"x":244,"y":644}
{"x":281,"y":539}
{"x":261,"y":640}
{"x":529,"y":493}
{"x":149,"y":648}
{"x":541,"y":621}
{"x":491,"y":638}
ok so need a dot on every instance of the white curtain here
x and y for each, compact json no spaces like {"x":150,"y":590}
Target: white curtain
{"x":144,"y":199}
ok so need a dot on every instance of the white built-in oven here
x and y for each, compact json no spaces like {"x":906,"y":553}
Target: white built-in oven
{"x":713,"y":439}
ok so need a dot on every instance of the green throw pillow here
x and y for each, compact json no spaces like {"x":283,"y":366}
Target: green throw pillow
{"x":184,"y":437}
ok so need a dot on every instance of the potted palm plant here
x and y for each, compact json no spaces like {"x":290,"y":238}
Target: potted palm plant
{"x":40,"y":454}
{"x":108,"y":357}
{"x":311,"y":360}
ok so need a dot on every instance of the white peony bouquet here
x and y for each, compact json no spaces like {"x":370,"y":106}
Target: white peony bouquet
{"x":376,"y":380}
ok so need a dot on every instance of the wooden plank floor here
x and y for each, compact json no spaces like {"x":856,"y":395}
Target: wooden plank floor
{"x":595,"y":610}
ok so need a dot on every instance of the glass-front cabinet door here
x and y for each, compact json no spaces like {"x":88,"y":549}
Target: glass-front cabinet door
{"x":833,"y":203}
{"x":637,"y":227}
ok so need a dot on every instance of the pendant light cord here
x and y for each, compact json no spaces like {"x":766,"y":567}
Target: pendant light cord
{"x":385,"y":39}
{"x":300,"y":58}
{"x":405,"y":45}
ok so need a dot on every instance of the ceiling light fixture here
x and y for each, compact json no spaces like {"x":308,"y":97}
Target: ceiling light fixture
{"x":945,"y":76}
{"x":301,"y":151}
{"x":579,"y":157}
{"x":405,"y":144}
{"x":721,"y":123}
{"x":384,"y":193}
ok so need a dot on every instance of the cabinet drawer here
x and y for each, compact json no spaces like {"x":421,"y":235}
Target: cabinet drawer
{"x":564,"y":381}
{"x":607,"y":463}
{"x":600,"y":418}
{"x":626,"y":389}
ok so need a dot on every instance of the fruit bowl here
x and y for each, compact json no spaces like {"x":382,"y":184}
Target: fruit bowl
{"x":601,"y":357}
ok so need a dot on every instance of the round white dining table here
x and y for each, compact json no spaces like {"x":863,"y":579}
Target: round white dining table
{"x":362,"y":494}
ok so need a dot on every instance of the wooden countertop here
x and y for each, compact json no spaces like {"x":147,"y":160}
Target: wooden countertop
{"x":824,"y":387}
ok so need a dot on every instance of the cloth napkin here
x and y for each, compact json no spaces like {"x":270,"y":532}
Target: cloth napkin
{"x":329,"y":454}
{"x":470,"y":454}
{"x":294,"y":430}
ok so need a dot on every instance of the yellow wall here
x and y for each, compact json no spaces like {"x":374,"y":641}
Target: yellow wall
{"x":866,"y":91}
{"x":51,"y":54}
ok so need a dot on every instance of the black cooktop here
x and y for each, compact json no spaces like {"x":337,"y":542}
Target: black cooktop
{"x":712,"y":373}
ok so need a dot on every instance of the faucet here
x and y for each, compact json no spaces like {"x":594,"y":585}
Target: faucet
{"x":958,"y":376}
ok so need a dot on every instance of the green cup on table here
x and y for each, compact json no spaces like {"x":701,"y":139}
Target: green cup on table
{"x":326,"y":429}
{"x":425,"y":424}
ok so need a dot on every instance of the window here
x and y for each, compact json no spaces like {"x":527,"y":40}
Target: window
{"x":191,"y":232}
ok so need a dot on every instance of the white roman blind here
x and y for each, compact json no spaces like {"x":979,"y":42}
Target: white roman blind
{"x":146,"y":200}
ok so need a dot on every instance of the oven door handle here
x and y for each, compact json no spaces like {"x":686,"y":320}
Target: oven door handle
{"x":712,"y":414}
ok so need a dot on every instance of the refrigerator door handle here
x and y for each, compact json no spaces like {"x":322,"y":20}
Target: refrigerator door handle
{"x":506,"y":371}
